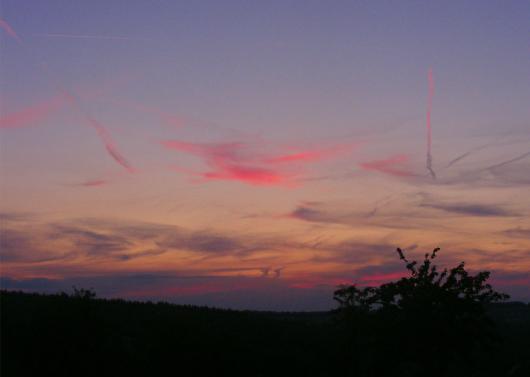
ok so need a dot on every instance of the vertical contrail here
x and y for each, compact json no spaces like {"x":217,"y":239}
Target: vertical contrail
{"x":429,"y":129}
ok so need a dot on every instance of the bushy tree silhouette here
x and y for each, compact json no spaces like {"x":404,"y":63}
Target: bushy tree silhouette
{"x":428,"y":322}
{"x":81,"y":293}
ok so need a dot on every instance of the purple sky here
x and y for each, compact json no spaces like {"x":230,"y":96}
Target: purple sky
{"x":256,"y":154}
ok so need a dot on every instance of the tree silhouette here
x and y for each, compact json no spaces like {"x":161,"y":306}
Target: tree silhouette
{"x":428,"y":322}
{"x":82,"y":293}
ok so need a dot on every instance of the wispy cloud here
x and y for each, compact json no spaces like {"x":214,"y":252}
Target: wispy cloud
{"x":9,"y":30}
{"x":170,"y":119}
{"x":102,"y":132}
{"x":204,"y":242}
{"x":110,"y":146}
{"x":111,"y":249}
{"x":310,"y":155}
{"x":237,"y":161}
{"x":88,"y":36}
{"x":505,"y":139}
{"x":113,"y":241}
{"x":394,"y":165}
{"x":479,"y":210}
{"x":510,"y":161}
{"x":253,"y":175}
{"x":94,"y":183}
{"x":309,"y":214}
{"x":32,"y":114}
{"x":318,"y":212}
{"x":16,"y":245}
{"x":14,"y":216}
{"x":228,"y":162}
{"x":518,"y":232}
{"x":352,"y":253}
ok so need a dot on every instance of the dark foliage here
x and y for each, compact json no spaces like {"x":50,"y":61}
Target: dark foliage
{"x":78,"y":335}
{"x":429,"y":323}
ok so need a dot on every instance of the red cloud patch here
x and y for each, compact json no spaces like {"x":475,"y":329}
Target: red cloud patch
{"x":239,"y":162}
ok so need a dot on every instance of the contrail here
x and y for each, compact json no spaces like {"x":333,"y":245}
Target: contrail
{"x":394,"y":165}
{"x":81,"y":36}
{"x":476,"y":149}
{"x":429,"y":129}
{"x":9,"y":30}
{"x":105,"y":137}
{"x":101,"y":130}
{"x":464,"y":155}
{"x":103,"y":134}
{"x":520,"y":157}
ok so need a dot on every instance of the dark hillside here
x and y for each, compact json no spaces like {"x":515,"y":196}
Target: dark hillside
{"x":61,"y":335}
{"x":69,"y":336}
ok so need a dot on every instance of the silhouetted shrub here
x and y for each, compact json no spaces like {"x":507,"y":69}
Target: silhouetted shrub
{"x":429,"y":323}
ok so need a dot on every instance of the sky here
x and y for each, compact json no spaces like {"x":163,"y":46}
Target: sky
{"x":255,"y":155}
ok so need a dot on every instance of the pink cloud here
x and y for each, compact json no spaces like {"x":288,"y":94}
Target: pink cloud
{"x":238,"y":161}
{"x":394,"y":165}
{"x":228,"y":163}
{"x":248,"y":174}
{"x":9,"y":30}
{"x":305,"y":156}
{"x":382,"y":278}
{"x":309,"y":156}
{"x":300,"y":157}
{"x":37,"y":112}
{"x":32,"y":114}
{"x":215,"y":151}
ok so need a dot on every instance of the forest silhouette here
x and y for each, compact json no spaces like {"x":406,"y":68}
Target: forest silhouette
{"x":431,"y":322}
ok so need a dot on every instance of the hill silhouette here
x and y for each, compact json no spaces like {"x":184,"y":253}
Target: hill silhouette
{"x":436,"y":323}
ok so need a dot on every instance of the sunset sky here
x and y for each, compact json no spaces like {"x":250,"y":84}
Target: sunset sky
{"x":255,"y":155}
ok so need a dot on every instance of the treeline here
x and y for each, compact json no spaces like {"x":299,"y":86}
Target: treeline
{"x":76,"y":335}
{"x":79,"y":335}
